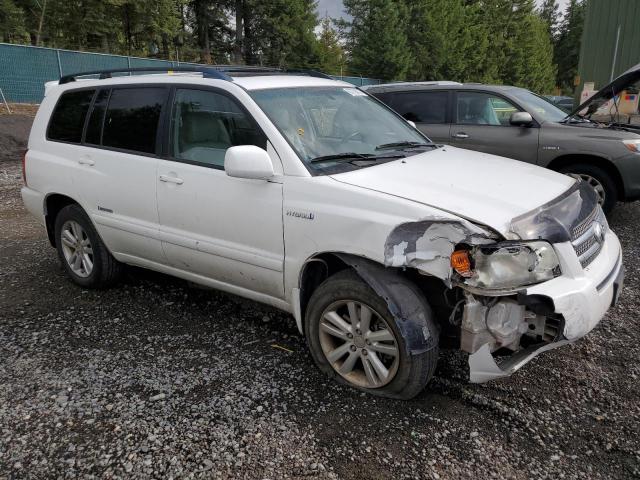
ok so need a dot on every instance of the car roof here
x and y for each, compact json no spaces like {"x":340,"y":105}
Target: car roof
{"x":252,"y":82}
{"x":410,"y":86}
{"x":259,"y":82}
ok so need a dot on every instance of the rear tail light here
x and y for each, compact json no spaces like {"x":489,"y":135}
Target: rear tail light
{"x":24,"y":167}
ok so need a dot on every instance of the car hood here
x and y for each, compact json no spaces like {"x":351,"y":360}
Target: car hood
{"x":483,"y":188}
{"x":612,"y":89}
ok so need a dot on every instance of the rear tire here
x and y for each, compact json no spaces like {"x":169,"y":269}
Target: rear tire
{"x":345,"y":298}
{"x":598,"y":178}
{"x":84,"y":256}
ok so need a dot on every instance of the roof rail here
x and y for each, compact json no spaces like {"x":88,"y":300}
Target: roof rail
{"x":260,"y":70}
{"x":219,"y":72}
{"x":310,"y":73}
{"x":207,"y":72}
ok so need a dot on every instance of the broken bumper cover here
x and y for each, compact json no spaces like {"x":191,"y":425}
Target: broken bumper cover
{"x":581,"y":296}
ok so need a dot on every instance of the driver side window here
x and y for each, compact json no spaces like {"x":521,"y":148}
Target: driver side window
{"x":204,"y":124}
{"x":475,"y":108}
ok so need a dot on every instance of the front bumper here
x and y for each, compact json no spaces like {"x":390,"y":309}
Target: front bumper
{"x":580,"y":296}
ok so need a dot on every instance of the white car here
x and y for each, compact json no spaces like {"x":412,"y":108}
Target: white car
{"x":310,"y":195}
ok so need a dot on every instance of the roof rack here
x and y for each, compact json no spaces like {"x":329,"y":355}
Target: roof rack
{"x":207,"y":72}
{"x":218,"y":72}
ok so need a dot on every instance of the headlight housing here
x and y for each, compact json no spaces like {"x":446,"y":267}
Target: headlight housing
{"x":633,"y":145}
{"x":507,"y":265}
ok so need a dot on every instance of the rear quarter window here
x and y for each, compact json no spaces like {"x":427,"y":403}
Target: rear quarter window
{"x":67,"y":119}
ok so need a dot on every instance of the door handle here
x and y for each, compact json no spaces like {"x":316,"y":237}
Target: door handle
{"x":460,"y":135}
{"x":170,"y":179}
{"x":85,"y":160}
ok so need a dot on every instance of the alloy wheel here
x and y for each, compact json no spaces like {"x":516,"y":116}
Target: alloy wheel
{"x":77,"y":249}
{"x":359,"y":344}
{"x":595,"y":184}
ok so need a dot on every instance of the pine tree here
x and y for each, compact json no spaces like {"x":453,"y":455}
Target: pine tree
{"x":550,"y":12}
{"x":519,"y":48}
{"x":330,"y":53}
{"x":377,"y":38}
{"x":12,"y":25}
{"x":280,"y":33}
{"x":438,"y":39}
{"x":567,"y":49}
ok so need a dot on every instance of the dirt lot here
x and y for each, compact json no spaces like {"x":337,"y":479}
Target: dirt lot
{"x":157,"y":378}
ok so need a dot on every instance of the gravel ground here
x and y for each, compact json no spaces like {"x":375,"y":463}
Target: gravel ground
{"x":14,"y":130}
{"x":158,"y":378}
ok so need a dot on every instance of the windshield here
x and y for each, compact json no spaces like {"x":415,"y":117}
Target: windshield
{"x":326,"y":126}
{"x":543,"y":107}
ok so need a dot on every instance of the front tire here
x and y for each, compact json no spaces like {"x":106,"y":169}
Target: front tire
{"x":84,"y":256}
{"x":355,"y":340}
{"x":599,"y":179}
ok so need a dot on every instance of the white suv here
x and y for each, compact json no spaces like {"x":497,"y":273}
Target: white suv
{"x":310,"y":195}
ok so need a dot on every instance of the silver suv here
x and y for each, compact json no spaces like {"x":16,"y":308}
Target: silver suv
{"x":516,"y":123}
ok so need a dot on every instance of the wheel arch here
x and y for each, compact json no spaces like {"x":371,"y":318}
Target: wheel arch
{"x":53,"y":203}
{"x":406,"y":300}
{"x":315,"y":270}
{"x":607,"y":165}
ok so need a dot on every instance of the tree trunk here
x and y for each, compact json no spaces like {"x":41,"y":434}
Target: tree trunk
{"x":41,"y":22}
{"x":165,"y":46}
{"x":202,"y":26}
{"x":237,"y":48}
{"x":127,"y":27}
{"x":248,"y":38}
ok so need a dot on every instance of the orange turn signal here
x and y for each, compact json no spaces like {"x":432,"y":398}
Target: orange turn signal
{"x":461,"y":262}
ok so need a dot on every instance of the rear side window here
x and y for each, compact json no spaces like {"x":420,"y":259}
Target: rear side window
{"x":132,"y":117}
{"x":67,"y":120}
{"x":384,"y":97}
{"x":94,"y":127}
{"x":422,"y":107}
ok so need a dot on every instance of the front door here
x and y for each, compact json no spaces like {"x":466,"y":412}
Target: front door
{"x":225,"y":229}
{"x":481,"y":123}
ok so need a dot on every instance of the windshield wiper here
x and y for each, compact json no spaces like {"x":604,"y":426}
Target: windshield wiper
{"x":356,"y":157}
{"x":348,"y":157}
{"x":406,"y":143}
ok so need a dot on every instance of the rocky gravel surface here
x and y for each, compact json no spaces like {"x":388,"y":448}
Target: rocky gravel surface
{"x":160,"y":378}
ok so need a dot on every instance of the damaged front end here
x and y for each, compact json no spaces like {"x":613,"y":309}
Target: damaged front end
{"x":492,"y":314}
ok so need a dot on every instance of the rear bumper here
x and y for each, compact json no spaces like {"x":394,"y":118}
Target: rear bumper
{"x":580,"y":296}
{"x":34,"y":203}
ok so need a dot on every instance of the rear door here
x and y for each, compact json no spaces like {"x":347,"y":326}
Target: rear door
{"x":429,"y":110}
{"x":116,"y":178}
{"x":481,"y":123}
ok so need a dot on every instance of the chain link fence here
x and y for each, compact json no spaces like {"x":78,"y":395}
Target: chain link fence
{"x":25,"y":69}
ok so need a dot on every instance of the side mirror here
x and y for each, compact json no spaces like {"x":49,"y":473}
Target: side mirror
{"x":521,"y":119}
{"x":248,"y":161}
{"x":412,"y":123}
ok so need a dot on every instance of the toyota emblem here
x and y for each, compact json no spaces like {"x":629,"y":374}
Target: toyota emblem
{"x":598,"y":232}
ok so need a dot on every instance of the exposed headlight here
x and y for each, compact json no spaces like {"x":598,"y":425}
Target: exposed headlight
{"x":506,"y":265}
{"x":633,"y":145}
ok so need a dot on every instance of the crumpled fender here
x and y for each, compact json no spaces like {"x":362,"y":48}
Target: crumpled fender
{"x":427,"y":245}
{"x":405,"y":301}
